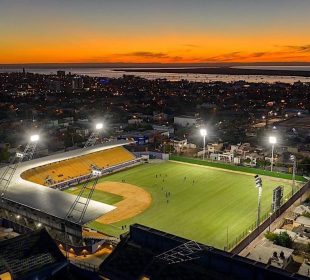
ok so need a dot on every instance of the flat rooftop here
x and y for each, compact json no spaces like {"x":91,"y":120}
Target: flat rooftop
{"x":54,"y":202}
{"x":296,"y":122}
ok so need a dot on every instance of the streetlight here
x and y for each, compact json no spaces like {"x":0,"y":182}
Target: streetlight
{"x":272,"y":141}
{"x":203,"y":133}
{"x":99,"y":126}
{"x":259,"y":185}
{"x":34,"y":138}
{"x":293,"y":158}
{"x":270,"y":214}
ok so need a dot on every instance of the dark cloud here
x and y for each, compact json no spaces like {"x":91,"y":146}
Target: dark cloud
{"x":302,"y":48}
{"x":225,"y":57}
{"x":259,"y":54}
{"x":191,"y":46}
{"x":145,"y":54}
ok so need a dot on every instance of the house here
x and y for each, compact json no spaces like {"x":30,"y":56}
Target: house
{"x":135,"y":121}
{"x":302,"y":221}
{"x":226,"y":157}
{"x":186,"y":121}
{"x":179,"y":144}
{"x":214,"y":147}
{"x":160,"y":117}
{"x":299,"y":210}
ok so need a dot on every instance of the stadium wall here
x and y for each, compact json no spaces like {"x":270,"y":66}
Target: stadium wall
{"x":152,"y":155}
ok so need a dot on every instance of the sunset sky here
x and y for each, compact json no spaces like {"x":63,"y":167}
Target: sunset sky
{"x":33,"y":31}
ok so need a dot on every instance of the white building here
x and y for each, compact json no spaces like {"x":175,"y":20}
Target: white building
{"x":302,"y":221}
{"x":135,"y":121}
{"x":185,"y":121}
{"x":214,"y":147}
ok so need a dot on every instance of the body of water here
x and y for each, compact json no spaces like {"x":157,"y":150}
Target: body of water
{"x":111,"y":73}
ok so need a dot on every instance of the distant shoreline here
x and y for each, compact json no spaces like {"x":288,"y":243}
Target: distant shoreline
{"x":222,"y":71}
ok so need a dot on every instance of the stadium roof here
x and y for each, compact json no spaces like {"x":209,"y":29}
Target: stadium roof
{"x":48,"y":200}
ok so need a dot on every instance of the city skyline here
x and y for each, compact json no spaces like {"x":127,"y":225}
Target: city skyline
{"x":154,"y":31}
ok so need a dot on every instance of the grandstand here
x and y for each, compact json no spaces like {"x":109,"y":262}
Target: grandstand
{"x":28,"y":205}
{"x":62,"y":171}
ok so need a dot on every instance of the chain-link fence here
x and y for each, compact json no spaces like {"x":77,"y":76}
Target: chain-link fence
{"x":253,"y":231}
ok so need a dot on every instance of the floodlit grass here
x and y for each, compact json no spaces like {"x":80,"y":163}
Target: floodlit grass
{"x":238,"y":168}
{"x":101,"y":196}
{"x":201,"y":210}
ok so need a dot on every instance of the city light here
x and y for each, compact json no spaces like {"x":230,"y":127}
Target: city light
{"x":272,"y":140}
{"x":34,"y":138}
{"x":203,"y":132}
{"x":99,"y":126}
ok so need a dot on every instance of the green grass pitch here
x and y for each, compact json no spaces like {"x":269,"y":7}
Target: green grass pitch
{"x":202,"y":211}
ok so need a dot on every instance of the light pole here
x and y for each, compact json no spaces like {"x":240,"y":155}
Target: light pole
{"x":249,"y":240}
{"x":203,"y":133}
{"x":34,"y":138}
{"x":270,"y":214}
{"x":293,"y":158}
{"x":91,"y":141}
{"x":259,"y":185}
{"x":272,"y":141}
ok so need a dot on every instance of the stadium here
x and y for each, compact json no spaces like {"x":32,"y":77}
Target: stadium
{"x":106,"y":188}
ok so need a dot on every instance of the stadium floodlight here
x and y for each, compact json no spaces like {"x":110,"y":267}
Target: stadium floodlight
{"x":203,"y":133}
{"x":99,"y":126}
{"x":258,"y":181}
{"x":259,"y":185}
{"x":34,"y":138}
{"x":293,"y":159}
{"x":272,"y":141}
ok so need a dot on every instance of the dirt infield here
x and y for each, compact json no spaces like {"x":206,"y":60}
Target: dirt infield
{"x":135,"y":201}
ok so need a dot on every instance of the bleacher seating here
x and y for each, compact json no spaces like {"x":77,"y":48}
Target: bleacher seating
{"x":76,"y":167}
{"x":30,"y":252}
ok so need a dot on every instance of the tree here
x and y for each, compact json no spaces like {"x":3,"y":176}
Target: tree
{"x":308,"y":248}
{"x":305,"y":165}
{"x":283,"y":239}
{"x":271,"y":236}
{"x":4,"y":153}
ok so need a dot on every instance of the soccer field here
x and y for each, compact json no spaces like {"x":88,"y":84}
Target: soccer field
{"x":204,"y":206}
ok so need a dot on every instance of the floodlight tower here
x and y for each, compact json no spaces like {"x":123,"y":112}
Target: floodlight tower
{"x":203,"y":133}
{"x":259,"y":185}
{"x":293,"y":159}
{"x":91,"y":141}
{"x":272,"y":141}
{"x":9,"y":171}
